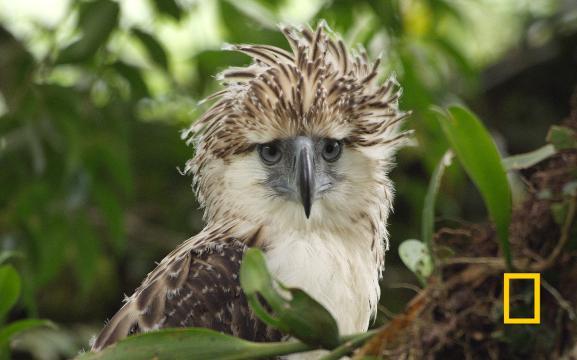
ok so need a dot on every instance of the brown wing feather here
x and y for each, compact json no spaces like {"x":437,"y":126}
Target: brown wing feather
{"x":199,"y":287}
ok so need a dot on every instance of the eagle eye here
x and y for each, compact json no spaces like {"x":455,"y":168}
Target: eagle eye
{"x":269,"y":153}
{"x":332,"y":150}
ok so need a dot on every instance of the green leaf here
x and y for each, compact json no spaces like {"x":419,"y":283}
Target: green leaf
{"x":308,"y":320}
{"x":96,"y":21}
{"x":169,"y":8}
{"x":204,"y":344}
{"x":254,"y":275}
{"x":347,"y":347}
{"x":524,"y":161}
{"x":562,"y":137}
{"x":16,"y":69}
{"x":12,"y":329}
{"x":153,"y":47}
{"x":255,"y":278}
{"x":479,"y":156}
{"x":200,"y":344}
{"x":416,"y":256}
{"x":428,"y":221}
{"x":9,"y":289}
{"x":133,"y":75}
{"x":295,"y":312}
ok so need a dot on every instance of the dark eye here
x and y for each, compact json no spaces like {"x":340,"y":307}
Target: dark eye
{"x":332,"y":150}
{"x":269,"y":153}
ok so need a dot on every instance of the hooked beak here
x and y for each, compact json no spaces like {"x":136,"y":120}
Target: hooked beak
{"x":305,"y":178}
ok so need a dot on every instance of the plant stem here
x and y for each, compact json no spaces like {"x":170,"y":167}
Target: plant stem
{"x":349,"y":344}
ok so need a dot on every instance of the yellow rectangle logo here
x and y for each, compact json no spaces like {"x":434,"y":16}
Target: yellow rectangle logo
{"x":536,"y":277}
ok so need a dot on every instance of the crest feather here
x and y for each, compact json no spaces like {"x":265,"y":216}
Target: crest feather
{"x":319,"y":88}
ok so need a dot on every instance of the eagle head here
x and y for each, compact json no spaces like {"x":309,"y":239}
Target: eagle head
{"x":303,"y":138}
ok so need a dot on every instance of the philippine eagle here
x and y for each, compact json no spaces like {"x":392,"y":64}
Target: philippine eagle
{"x":293,"y":158}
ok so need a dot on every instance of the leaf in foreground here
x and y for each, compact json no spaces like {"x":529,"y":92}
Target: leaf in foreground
{"x":9,"y":289}
{"x":199,"y":344}
{"x":294,"y":312}
{"x":479,"y":156}
{"x":416,"y":256}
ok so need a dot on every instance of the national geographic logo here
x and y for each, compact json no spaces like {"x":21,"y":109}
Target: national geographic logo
{"x":536,"y":277}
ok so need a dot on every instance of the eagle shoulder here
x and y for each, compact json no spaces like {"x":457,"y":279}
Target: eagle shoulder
{"x":194,"y":286}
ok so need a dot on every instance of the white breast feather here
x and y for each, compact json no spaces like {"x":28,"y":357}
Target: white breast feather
{"x":336,"y":272}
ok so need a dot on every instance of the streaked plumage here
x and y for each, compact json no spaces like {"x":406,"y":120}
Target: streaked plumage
{"x":299,"y":101}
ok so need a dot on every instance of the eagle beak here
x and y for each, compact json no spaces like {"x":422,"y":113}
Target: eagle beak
{"x":306,"y":178}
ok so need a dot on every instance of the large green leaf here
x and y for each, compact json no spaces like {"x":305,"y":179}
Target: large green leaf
{"x":206,"y":344}
{"x":295,"y":312}
{"x":9,"y":289}
{"x":153,"y":47}
{"x":479,"y":156}
{"x":198,"y":344}
{"x":96,"y":21}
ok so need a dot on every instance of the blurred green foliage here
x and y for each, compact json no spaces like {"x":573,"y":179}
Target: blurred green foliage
{"x":91,"y":106}
{"x":10,"y":286}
